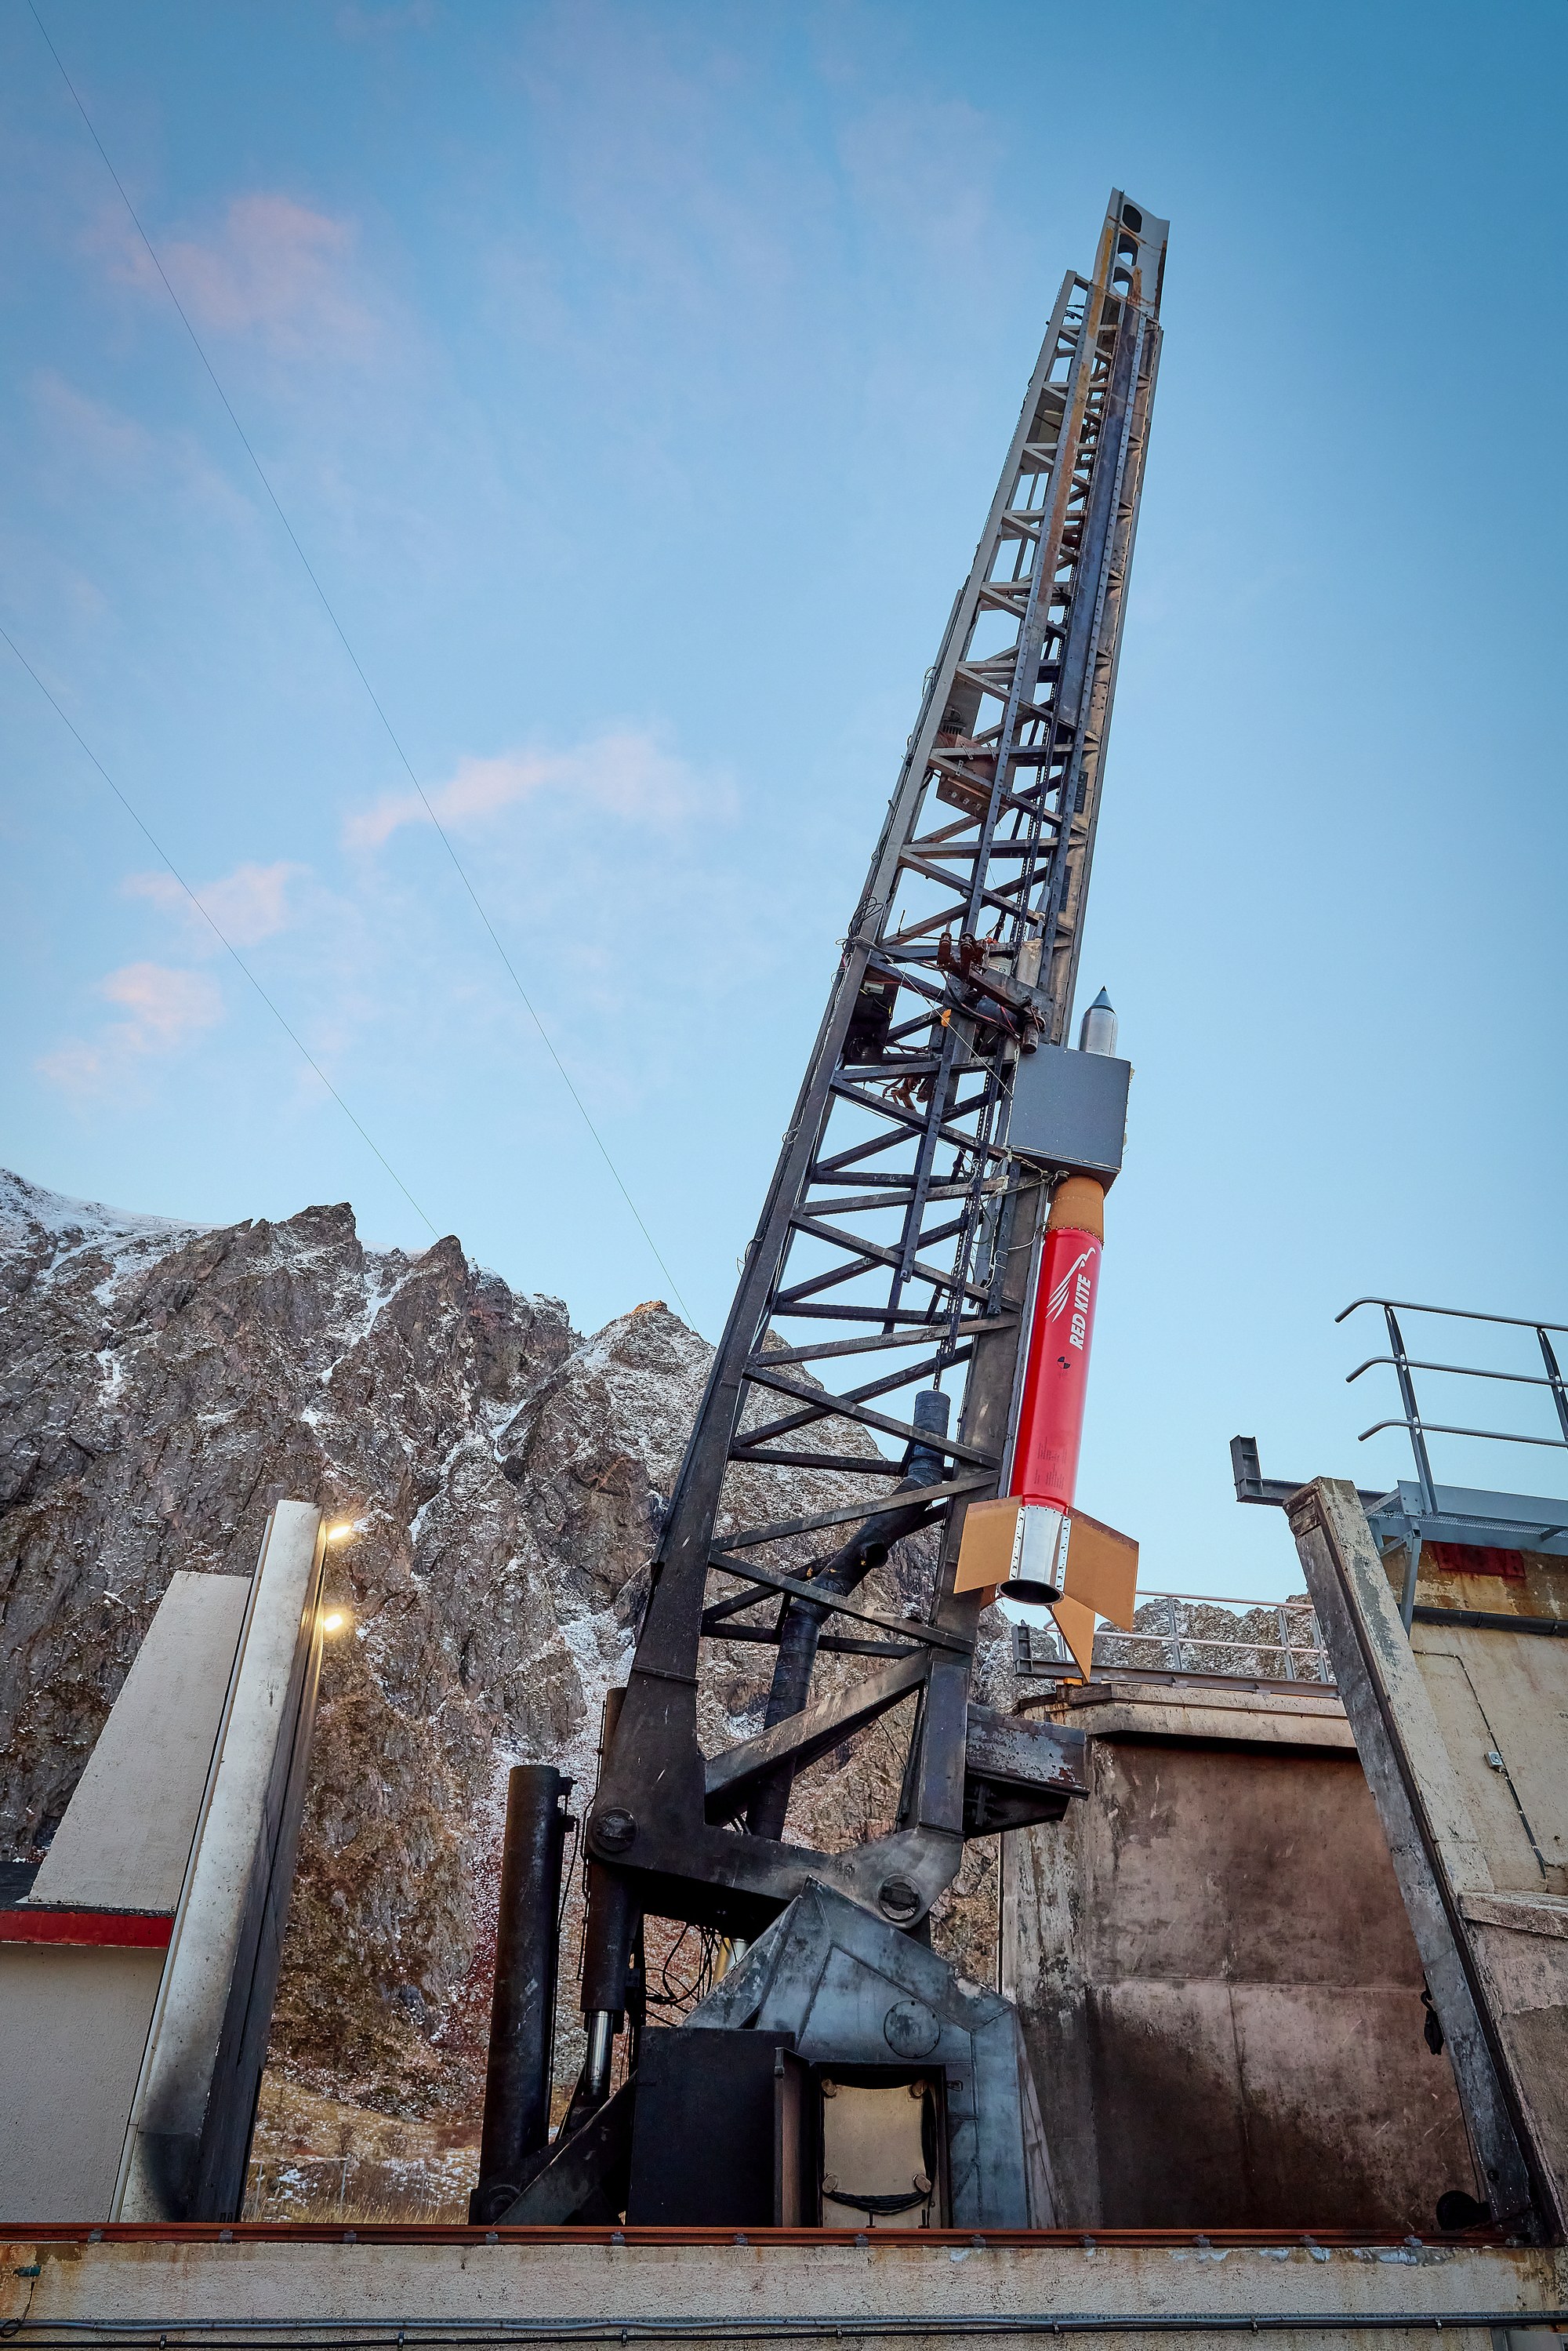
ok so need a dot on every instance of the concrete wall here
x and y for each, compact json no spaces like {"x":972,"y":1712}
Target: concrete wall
{"x":191,"y":2120}
{"x":1220,"y":1988}
{"x":74,"y":2015}
{"x":73,"y":2024}
{"x":136,"y":1980}
{"x":126,"y":1836}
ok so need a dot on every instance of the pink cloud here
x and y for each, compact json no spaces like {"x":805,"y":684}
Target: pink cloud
{"x":249,"y":905}
{"x":164,"y":1008}
{"x":92,"y":429}
{"x":274,"y":269}
{"x":624,"y":770}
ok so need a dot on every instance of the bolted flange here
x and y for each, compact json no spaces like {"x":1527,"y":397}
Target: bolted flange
{"x":900,"y":1899}
{"x":613,"y":1830}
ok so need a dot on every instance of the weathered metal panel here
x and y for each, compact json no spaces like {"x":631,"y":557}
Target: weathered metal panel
{"x":846,"y":1987}
{"x":73,"y":2024}
{"x":1217,"y":1982}
{"x":1506,"y":1697}
{"x":1070,"y":1111}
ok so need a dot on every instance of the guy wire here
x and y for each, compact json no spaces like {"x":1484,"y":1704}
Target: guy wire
{"x":364,"y":680}
{"x":293,"y":1034}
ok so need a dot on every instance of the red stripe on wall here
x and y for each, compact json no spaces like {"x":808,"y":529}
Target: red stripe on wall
{"x":1475,"y":1558}
{"x":120,"y":1930}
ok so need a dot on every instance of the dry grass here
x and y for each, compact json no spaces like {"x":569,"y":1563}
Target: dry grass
{"x":316,"y":2158}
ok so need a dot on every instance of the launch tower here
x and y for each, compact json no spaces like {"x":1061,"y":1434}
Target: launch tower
{"x":887,"y":1285}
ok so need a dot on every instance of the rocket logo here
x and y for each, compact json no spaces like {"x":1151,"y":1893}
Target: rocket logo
{"x":1077,"y":1286}
{"x":1058,"y":1298}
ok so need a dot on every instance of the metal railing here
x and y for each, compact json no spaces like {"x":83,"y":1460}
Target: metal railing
{"x":1193,"y":1633}
{"x":1405,"y":1365}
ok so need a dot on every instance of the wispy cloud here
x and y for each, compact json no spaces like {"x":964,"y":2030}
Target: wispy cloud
{"x":164,"y":1008}
{"x":624,"y":770}
{"x":274,"y":269}
{"x":360,"y":23}
{"x":92,"y":429}
{"x":249,"y":905}
{"x":84,"y":436}
{"x":923,"y":172}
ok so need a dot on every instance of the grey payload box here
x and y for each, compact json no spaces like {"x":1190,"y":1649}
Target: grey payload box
{"x":1069,"y":1112}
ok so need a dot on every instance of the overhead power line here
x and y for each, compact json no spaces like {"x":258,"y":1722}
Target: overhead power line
{"x":142,"y":826}
{"x":392,"y":734}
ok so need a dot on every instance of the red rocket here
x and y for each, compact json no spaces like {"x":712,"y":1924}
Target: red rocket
{"x":1035,"y":1544}
{"x":1056,"y":1369}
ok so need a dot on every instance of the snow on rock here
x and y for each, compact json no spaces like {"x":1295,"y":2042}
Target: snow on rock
{"x":161,"y":1385}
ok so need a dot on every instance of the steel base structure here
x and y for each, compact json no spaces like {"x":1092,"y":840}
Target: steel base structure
{"x":852,"y":1992}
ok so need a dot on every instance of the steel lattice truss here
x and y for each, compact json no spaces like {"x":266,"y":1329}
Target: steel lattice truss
{"x":894,"y":1245}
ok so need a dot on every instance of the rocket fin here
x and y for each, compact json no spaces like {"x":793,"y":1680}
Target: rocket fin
{"x":986,"y":1546}
{"x":1102,"y":1570}
{"x":1076,"y":1621}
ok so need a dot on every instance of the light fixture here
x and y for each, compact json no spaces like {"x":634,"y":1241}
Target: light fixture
{"x":344,"y":1529}
{"x":334,"y":1621}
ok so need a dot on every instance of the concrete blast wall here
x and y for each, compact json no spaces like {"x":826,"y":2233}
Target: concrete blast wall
{"x":1218,"y":1984}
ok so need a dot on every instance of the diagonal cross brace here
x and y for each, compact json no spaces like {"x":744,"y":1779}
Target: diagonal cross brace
{"x":802,"y":1738}
{"x":782,"y":1528}
{"x":933,"y":1634}
{"x":831,"y":1407}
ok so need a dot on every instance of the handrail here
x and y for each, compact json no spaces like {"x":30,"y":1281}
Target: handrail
{"x":1462,"y":1370}
{"x":1403,"y":1364}
{"x":1294,"y":1638}
{"x":1464,"y":1313}
{"x":1437,"y":1428}
{"x":1225,"y":1600}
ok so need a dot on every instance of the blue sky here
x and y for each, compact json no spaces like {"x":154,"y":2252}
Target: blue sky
{"x":635,"y":378}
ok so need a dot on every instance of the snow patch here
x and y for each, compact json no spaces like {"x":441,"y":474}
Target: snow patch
{"x":80,"y":1229}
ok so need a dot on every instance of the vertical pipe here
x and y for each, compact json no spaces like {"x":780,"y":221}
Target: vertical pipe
{"x":522,"y":2010}
{"x":611,"y":1929}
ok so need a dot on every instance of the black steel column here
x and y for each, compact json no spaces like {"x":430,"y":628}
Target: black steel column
{"x":522,"y":2012}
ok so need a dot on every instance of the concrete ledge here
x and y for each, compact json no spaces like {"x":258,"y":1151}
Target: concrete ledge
{"x":386,"y":2284}
{"x":1306,"y":1716}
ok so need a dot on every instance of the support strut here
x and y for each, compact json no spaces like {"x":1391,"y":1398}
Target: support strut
{"x":522,"y":2008}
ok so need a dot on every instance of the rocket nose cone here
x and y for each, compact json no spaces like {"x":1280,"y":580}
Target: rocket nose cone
{"x":1098,"y":1032}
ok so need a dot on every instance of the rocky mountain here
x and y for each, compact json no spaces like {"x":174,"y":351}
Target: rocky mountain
{"x":160,"y":1385}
